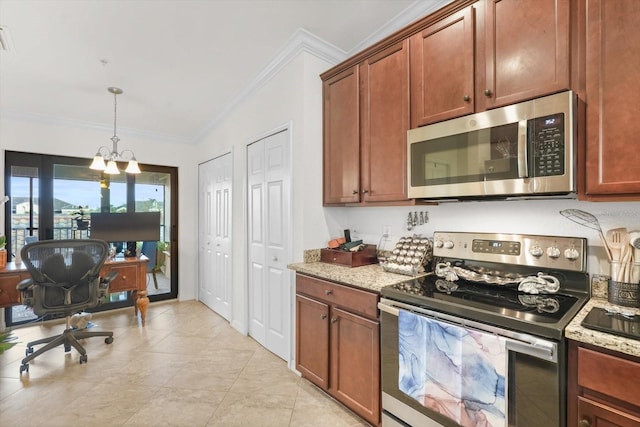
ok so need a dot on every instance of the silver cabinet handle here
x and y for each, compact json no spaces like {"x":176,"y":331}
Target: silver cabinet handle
{"x":323,"y":316}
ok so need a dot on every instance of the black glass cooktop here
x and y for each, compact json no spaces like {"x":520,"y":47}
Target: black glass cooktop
{"x":544,"y":315}
{"x":613,"y":323}
{"x":548,"y":308}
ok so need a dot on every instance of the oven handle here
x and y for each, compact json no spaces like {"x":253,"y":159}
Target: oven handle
{"x":515,"y":341}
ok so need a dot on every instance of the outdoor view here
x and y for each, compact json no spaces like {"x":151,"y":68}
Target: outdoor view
{"x":78,"y":192}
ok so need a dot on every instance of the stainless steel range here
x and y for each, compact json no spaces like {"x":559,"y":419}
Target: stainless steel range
{"x":480,"y":340}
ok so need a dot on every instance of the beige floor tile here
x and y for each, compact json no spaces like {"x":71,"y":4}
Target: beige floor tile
{"x":186,"y":367}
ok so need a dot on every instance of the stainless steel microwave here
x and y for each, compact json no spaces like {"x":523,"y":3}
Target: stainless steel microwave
{"x":521,"y":150}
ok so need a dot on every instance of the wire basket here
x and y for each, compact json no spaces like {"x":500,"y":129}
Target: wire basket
{"x":410,"y":256}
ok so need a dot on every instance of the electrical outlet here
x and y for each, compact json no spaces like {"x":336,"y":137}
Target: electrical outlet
{"x":386,"y":231}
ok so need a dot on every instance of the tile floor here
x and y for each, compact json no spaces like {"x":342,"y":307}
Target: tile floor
{"x":186,"y":367}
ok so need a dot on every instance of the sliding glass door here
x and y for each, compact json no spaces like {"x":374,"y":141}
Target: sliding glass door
{"x":52,"y":197}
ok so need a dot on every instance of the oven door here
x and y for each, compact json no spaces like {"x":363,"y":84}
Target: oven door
{"x":535,"y":384}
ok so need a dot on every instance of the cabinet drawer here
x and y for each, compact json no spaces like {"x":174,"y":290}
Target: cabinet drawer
{"x":610,"y":375}
{"x":126,"y":280}
{"x":363,"y":302}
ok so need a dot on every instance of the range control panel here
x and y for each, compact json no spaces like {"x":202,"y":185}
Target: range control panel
{"x":552,"y":252}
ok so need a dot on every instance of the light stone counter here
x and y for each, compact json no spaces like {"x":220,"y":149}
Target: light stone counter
{"x":370,"y":277}
{"x":579,"y":333}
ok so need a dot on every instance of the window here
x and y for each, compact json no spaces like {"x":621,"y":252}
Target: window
{"x":52,"y":197}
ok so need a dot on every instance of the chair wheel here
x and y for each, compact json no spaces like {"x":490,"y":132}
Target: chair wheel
{"x":67,"y":348}
{"x":83,"y":359}
{"x":108,"y":340}
{"x":24,"y":368}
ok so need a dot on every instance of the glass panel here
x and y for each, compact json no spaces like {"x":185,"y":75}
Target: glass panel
{"x":24,"y":184}
{"x":475,"y":156}
{"x":153,"y":194}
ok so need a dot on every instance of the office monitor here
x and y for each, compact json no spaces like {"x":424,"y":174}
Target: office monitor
{"x":125,"y":227}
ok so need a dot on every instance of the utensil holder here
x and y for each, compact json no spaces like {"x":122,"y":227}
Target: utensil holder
{"x":623,"y":293}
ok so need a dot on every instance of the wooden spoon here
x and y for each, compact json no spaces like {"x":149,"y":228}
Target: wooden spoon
{"x":617,"y":241}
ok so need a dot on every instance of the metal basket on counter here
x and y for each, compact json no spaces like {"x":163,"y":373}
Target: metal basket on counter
{"x":410,"y":256}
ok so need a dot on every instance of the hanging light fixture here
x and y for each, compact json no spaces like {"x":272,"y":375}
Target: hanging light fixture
{"x":114,"y":156}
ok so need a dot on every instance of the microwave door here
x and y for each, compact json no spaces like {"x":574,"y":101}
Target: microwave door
{"x":483,"y":161}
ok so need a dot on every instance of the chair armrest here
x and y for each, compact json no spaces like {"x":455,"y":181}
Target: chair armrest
{"x":25,"y":284}
{"x":109,"y":277}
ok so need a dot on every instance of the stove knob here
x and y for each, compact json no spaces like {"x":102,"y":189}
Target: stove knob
{"x":536,"y":251}
{"x":448,"y":244}
{"x":553,"y":252}
{"x":438,"y":243}
{"x":571,"y":253}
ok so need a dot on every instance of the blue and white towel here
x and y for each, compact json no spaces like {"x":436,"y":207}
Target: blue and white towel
{"x":454,"y":371}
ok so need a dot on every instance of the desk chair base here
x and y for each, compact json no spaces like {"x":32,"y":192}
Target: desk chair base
{"x":69,"y":338}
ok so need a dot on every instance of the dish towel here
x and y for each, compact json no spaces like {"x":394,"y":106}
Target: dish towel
{"x":457,"y":372}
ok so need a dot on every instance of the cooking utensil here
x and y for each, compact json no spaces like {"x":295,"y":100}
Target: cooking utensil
{"x":634,"y":241}
{"x":618,"y":242}
{"x":587,"y":220}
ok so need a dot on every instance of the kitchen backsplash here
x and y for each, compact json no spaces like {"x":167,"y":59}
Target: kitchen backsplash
{"x":518,"y":216}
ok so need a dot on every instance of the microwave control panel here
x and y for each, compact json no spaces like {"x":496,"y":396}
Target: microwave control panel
{"x":547,"y":145}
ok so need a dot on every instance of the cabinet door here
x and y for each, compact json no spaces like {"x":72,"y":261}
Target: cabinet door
{"x":526,"y":46}
{"x":594,"y":414}
{"x":312,"y":340}
{"x":341,"y":168}
{"x":612,"y":85}
{"x":385,"y":120}
{"x":355,"y":363}
{"x":442,"y":69}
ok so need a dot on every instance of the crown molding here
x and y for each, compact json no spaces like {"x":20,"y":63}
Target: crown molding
{"x":418,"y":9}
{"x":301,"y":41}
{"x":39,"y":118}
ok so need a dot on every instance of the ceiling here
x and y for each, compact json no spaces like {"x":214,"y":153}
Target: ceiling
{"x":180,"y":63}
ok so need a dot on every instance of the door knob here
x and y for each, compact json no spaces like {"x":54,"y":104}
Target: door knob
{"x":334,"y":320}
{"x":488,"y":93}
{"x":323,"y":316}
{"x":275,"y":258}
{"x":584,"y":423}
{"x":466,"y":98}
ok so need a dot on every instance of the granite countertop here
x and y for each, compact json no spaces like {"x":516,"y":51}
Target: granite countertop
{"x":617,"y":343}
{"x":371,"y":277}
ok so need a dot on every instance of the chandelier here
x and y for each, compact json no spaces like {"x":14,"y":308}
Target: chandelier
{"x":113,"y":156}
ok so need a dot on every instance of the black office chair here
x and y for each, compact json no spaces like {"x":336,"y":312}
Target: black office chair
{"x":65,"y":279}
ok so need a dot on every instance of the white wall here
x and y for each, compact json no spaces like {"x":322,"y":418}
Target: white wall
{"x":292,"y":97}
{"x":76,"y":141}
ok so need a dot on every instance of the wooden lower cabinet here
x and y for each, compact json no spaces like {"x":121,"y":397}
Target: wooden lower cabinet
{"x":604,"y":390}
{"x":338,"y":343}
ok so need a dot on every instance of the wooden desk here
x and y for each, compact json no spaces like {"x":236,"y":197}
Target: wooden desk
{"x":132,"y":276}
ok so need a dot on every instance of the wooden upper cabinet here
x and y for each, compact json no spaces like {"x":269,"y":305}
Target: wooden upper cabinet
{"x":341,"y":166}
{"x":384,"y":94}
{"x":527,"y":51}
{"x":612,"y":88}
{"x":442,"y":69}
{"x":489,"y":54}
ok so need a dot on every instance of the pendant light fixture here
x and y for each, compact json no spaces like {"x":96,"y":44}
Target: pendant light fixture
{"x":113,"y":156}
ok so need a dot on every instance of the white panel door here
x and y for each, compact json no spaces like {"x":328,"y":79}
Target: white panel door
{"x":214,"y":288}
{"x":269,"y":206}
